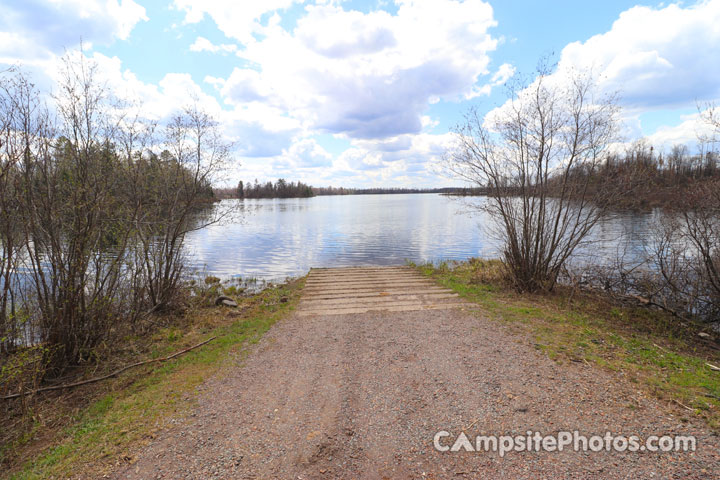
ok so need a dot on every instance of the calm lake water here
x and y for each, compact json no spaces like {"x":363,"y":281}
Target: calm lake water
{"x":272,"y":239}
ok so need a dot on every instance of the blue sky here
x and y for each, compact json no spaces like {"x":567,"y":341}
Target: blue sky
{"x":364,"y":93}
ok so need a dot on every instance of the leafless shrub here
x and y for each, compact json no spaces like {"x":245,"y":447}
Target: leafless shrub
{"x":535,"y":160}
{"x":687,"y":253}
{"x":12,"y":88}
{"x":179,"y":184}
{"x":75,"y":223}
{"x":686,"y":249}
{"x":25,"y":129}
{"x":92,"y":218}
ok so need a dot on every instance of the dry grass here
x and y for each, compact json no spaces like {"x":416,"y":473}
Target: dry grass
{"x":648,"y":347}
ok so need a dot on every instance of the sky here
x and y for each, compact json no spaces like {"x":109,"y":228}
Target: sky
{"x":366,"y":93}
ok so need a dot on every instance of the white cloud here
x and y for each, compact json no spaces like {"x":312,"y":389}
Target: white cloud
{"x":655,"y":57}
{"x":216,"y":82}
{"x":407,"y":160}
{"x":503,"y":74}
{"x":32,"y":32}
{"x":202,"y":44}
{"x":402,"y":151}
{"x":126,"y":14}
{"x":336,"y":33}
{"x":172,"y":92}
{"x":258,"y":130}
{"x":237,"y":19}
{"x":687,"y":132}
{"x":245,"y":85}
{"x":428,"y":122}
{"x":305,"y":153}
{"x":368,"y":75}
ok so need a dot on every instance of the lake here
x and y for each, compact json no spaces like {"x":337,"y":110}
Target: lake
{"x":272,"y":239}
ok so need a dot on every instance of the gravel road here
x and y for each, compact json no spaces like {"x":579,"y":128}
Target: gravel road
{"x":362,"y":396}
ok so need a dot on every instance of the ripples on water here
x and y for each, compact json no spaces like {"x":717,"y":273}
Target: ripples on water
{"x":272,"y":239}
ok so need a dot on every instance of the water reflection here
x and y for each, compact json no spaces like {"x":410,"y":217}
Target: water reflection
{"x":275,"y":238}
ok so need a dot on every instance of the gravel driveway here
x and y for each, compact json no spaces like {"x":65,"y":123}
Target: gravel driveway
{"x":362,"y":396}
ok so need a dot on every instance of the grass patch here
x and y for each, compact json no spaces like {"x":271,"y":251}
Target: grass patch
{"x":650,"y":348}
{"x":128,"y":411}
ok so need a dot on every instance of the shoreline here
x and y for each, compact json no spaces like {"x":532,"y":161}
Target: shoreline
{"x":100,"y":425}
{"x":59,"y":432}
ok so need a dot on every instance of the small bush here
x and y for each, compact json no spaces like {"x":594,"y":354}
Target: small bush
{"x":489,"y":272}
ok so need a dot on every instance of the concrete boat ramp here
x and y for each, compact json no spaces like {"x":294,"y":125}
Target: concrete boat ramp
{"x":341,"y":291}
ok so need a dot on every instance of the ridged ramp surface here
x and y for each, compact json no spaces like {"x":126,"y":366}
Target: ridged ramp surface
{"x":340,"y":291}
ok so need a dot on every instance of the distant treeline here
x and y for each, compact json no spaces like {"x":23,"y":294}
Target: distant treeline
{"x":641,"y":177}
{"x":467,"y":191}
{"x":379,"y":190}
{"x":280,"y":189}
{"x":284,"y":189}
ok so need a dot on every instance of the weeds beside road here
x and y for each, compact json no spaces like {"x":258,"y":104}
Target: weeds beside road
{"x":91,"y":427}
{"x":123,"y":421}
{"x":649,"y":347}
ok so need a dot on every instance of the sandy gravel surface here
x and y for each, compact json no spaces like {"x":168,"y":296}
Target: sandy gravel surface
{"x":361,"y":396}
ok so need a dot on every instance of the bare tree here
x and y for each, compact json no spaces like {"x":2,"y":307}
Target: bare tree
{"x":536,"y":157}
{"x":686,"y":253}
{"x":13,"y":89}
{"x":25,"y":130}
{"x":689,"y":253}
{"x":76,"y":223}
{"x":710,"y":114}
{"x":179,"y":182}
{"x":685,"y":247}
{"x":92,"y":217}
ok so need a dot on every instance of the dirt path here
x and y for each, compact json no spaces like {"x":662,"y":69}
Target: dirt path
{"x":330,"y":393}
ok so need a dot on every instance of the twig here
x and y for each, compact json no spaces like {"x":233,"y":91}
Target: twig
{"x":684,"y":406}
{"x":472,"y":424}
{"x":713,"y":367}
{"x":650,"y":303}
{"x":113,"y":374}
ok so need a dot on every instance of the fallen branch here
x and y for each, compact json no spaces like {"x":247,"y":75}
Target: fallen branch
{"x":109,"y":375}
{"x":472,"y":424}
{"x":684,"y":406}
{"x":649,"y":303}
